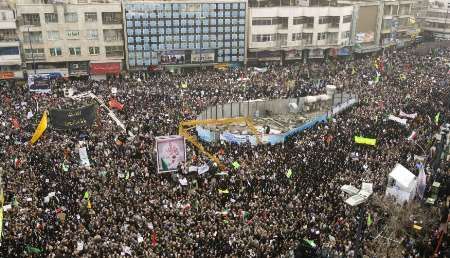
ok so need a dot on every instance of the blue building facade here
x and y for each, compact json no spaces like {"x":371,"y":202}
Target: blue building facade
{"x":184,"y":33}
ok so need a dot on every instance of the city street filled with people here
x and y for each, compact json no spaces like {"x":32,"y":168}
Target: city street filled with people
{"x":121,"y":206}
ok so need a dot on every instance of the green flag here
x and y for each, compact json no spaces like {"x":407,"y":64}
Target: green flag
{"x":368,"y":141}
{"x":289,"y":173}
{"x":32,"y":250}
{"x":127,"y":176}
{"x":164,"y":165}
{"x":310,"y":242}
{"x":436,"y":118}
{"x":65,"y":167}
{"x":236,"y":165}
{"x":86,"y":195}
{"x":369,"y":220}
{"x":15,"y":203}
{"x":226,"y":191}
{"x":245,"y":215}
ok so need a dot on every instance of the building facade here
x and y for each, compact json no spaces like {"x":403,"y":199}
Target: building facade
{"x":282,"y":33}
{"x":10,"y":60}
{"x":437,"y":20}
{"x":71,"y":37}
{"x":399,"y":23}
{"x":179,"y":34}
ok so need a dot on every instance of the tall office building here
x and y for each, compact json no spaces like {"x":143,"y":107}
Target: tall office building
{"x":71,"y":37}
{"x":10,"y":60}
{"x":179,"y":34}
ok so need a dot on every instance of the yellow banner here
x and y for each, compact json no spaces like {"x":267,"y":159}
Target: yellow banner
{"x":40,"y":129}
{"x":368,"y":141}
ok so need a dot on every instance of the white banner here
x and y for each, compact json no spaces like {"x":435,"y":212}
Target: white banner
{"x":412,"y":116}
{"x":397,"y":119}
{"x":84,"y":159}
{"x":171,"y":152}
{"x":203,"y":169}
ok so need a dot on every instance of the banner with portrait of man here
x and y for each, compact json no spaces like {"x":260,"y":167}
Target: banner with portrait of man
{"x":73,"y":118}
{"x":170,"y":152}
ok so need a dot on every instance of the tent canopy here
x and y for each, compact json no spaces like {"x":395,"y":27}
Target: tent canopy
{"x":403,"y":177}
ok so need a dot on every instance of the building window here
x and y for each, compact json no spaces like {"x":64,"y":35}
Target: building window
{"x":321,"y":35}
{"x":51,"y":18}
{"x":72,"y":34}
{"x":71,"y":17}
{"x":90,"y":17}
{"x":307,"y":21}
{"x":31,"y":19}
{"x":38,"y":54}
{"x":264,"y":37}
{"x":307,"y":38}
{"x":53,"y":35}
{"x":329,"y":19}
{"x":55,"y":51}
{"x":92,"y":34}
{"x":347,"y":19}
{"x":113,"y":51}
{"x":33,"y":36}
{"x":9,"y":51}
{"x":8,"y":35}
{"x":112,"y":35}
{"x":111,"y":18}
{"x":296,"y":36}
{"x":75,"y":51}
{"x":94,"y":51}
{"x":261,"y":21}
{"x":345,"y":34}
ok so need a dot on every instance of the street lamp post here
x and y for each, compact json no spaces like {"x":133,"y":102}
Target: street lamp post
{"x":358,"y":198}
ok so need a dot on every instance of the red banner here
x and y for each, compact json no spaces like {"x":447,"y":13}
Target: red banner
{"x":6,"y":75}
{"x":105,"y":68}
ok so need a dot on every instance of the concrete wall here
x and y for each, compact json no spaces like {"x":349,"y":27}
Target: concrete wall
{"x":255,"y":108}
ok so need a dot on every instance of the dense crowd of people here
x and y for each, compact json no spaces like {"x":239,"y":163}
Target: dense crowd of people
{"x":121,"y":206}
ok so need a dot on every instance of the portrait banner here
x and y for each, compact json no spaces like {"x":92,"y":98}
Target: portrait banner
{"x":73,"y":118}
{"x":170,"y":152}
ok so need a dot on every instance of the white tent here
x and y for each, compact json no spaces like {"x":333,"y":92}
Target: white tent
{"x":401,"y":184}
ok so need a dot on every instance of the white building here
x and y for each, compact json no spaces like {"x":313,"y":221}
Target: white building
{"x":71,"y":37}
{"x":399,"y":24}
{"x":10,"y":61}
{"x":280,"y":33}
{"x":437,"y":20}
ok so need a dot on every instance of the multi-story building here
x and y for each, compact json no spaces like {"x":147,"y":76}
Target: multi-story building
{"x":176,"y":34}
{"x":71,"y":37}
{"x":10,"y":61}
{"x":288,"y":30}
{"x":398,"y":25}
{"x":437,"y":20}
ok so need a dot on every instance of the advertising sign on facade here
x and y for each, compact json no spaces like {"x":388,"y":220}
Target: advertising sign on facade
{"x":205,"y":56}
{"x":171,"y":57}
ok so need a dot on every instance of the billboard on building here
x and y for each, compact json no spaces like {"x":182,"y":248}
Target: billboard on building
{"x":293,"y":54}
{"x":362,"y":37}
{"x":205,"y":56}
{"x":366,"y":24}
{"x":172,"y":57}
